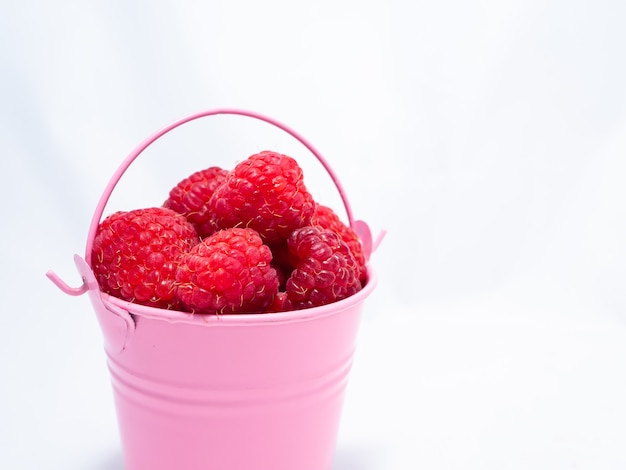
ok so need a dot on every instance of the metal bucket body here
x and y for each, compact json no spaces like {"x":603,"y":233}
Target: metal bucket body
{"x":261,"y":392}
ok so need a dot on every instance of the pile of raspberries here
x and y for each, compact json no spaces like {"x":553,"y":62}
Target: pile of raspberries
{"x":249,"y":240}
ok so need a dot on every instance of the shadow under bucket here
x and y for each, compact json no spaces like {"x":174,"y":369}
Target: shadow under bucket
{"x":228,"y":392}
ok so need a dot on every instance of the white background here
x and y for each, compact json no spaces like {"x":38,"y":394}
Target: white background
{"x":487,"y":137}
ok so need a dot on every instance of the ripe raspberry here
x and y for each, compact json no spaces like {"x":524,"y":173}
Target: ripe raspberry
{"x":190,"y":197}
{"x":281,"y":303}
{"x":325,"y":269}
{"x":228,"y":272}
{"x":325,"y":217}
{"x":135,"y":254}
{"x":265,"y":192}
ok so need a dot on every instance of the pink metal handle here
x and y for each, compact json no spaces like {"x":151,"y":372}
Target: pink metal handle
{"x":97,"y":216}
{"x":360,"y":227}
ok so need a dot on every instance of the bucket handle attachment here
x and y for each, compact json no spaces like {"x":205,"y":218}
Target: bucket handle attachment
{"x":359,"y":226}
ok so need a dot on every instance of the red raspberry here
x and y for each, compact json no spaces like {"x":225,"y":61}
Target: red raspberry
{"x":325,"y":217}
{"x":190,"y":197}
{"x":325,"y":269}
{"x":135,"y":254}
{"x":281,"y":303}
{"x":228,"y":272}
{"x":265,"y":192}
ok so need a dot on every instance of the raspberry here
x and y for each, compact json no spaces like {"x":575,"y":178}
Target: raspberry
{"x":265,"y":192}
{"x":228,"y":272}
{"x":135,"y":254}
{"x":325,"y":269}
{"x":190,"y":197}
{"x":281,"y":303}
{"x":325,"y":217}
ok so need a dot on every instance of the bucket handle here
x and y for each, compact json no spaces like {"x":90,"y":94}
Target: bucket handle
{"x":359,"y":226}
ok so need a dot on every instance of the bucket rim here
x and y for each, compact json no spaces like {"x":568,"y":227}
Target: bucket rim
{"x":244,"y":319}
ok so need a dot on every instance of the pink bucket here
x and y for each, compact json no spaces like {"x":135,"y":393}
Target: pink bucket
{"x":231,"y":392}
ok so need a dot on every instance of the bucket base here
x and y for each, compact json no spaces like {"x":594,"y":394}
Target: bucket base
{"x":299,"y":437}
